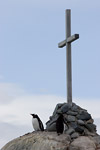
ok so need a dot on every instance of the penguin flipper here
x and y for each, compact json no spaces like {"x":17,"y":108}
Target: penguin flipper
{"x":41,"y":124}
{"x":42,"y":127}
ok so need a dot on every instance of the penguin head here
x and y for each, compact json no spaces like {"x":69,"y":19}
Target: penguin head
{"x":34,"y":115}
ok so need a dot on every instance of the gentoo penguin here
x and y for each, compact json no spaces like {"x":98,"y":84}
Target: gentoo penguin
{"x":60,"y":124}
{"x":37,"y":123}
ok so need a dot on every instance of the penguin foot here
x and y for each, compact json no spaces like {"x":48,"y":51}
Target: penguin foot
{"x":58,"y":134}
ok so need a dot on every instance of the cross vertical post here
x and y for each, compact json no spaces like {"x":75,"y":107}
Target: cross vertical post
{"x":67,"y":43}
{"x":68,"y":56}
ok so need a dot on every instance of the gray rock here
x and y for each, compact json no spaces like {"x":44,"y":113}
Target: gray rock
{"x":70,"y":131}
{"x":82,"y":110}
{"x":83,"y":143}
{"x":75,"y":108}
{"x":51,"y":124}
{"x":80,"y":122}
{"x":65,"y":108}
{"x":90,"y":121}
{"x":79,"y":129}
{"x":58,"y":106}
{"x":88,"y":133}
{"x":74,"y":135}
{"x":52,"y":119}
{"x":72,"y":113}
{"x":91,"y":127}
{"x":83,"y":116}
{"x":59,"y":111}
{"x":70,"y":118}
{"x":96,"y":139}
{"x":73,"y":124}
{"x":51,"y":127}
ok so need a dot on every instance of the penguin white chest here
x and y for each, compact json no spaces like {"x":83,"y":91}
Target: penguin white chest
{"x":35,"y":124}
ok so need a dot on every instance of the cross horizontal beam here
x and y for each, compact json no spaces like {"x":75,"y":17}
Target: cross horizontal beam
{"x":72,"y":38}
{"x":69,"y":40}
{"x":62,"y":44}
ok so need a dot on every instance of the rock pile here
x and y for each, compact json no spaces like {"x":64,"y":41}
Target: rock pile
{"x":78,"y":122}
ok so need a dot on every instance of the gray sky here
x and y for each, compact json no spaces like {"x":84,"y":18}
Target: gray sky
{"x":33,"y":68}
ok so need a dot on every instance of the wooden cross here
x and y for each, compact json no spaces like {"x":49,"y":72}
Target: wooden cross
{"x":67,"y":43}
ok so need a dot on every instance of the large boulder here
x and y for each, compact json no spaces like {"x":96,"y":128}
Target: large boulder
{"x":39,"y":141}
{"x":51,"y":141}
{"x":83,"y":143}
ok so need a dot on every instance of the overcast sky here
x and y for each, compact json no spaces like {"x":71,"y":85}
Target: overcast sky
{"x":33,"y":68}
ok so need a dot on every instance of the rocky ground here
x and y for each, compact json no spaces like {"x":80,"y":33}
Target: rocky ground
{"x":51,"y":141}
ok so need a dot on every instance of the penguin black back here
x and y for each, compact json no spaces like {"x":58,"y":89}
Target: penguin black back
{"x":40,"y":123}
{"x":60,"y":124}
